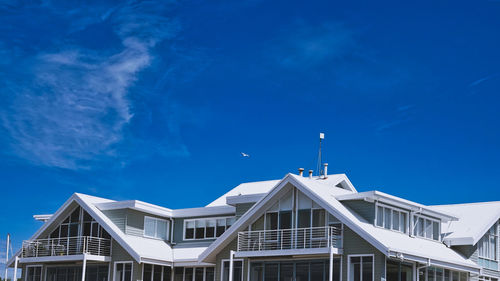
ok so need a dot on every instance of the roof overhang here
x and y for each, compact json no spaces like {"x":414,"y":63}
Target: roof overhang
{"x":242,"y":199}
{"x":434,"y":262}
{"x":382,"y":197}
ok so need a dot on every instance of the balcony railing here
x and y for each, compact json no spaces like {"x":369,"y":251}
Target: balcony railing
{"x":66,"y":246}
{"x":286,"y":239}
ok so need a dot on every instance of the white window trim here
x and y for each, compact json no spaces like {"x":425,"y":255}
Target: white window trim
{"x":497,"y":248}
{"x":407,"y":223}
{"x":360,"y":255}
{"x":234,"y":260}
{"x":414,"y":224}
{"x":205,"y":219}
{"x":167,"y":222}
{"x":123,"y":262}
{"x":34,"y":265}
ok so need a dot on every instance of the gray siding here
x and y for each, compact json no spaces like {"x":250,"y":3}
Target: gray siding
{"x":355,"y":245}
{"x":118,"y":217}
{"x":120,"y":254}
{"x":224,"y":254}
{"x":241,"y":209}
{"x":365,"y":209}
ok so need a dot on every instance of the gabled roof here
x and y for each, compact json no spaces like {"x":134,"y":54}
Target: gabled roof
{"x":399,"y":202}
{"x":254,"y":191}
{"x":474,"y":220}
{"x":388,"y":242}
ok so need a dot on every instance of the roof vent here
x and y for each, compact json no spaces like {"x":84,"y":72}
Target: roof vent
{"x":310,"y":174}
{"x":325,"y":170}
{"x":301,"y":172}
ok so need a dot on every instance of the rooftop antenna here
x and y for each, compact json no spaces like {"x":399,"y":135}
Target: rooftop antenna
{"x":318,"y":168}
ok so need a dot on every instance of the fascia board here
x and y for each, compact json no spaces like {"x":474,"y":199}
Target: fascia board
{"x":203,"y":211}
{"x":109,"y":227}
{"x":241,"y":199}
{"x":437,"y":262}
{"x":224,"y":239}
{"x":325,"y":205}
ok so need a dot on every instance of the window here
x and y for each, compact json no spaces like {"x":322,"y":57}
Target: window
{"x":156,"y":228}
{"x":440,"y":274}
{"x":164,"y":273}
{"x":206,"y":228}
{"x":360,"y":268}
{"x":488,"y":248}
{"x":299,"y":270}
{"x":426,"y":227}
{"x":399,"y":271}
{"x":237,"y":270}
{"x":391,"y":218}
{"x":74,"y":273}
{"x":123,"y":271}
{"x":34,"y":273}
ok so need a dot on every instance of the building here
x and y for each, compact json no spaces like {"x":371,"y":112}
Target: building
{"x":300,"y":228}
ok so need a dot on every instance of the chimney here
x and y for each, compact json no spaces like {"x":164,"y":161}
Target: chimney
{"x":301,"y":172}
{"x":310,"y":174}
{"x":325,"y":170}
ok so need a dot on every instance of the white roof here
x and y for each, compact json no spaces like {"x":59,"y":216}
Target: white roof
{"x":474,"y":220}
{"x":399,"y":202}
{"x":246,"y":188}
{"x":388,"y":242}
{"x":263,"y":187}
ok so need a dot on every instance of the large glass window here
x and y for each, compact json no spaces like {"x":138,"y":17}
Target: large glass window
{"x":439,"y":274}
{"x":74,"y":273}
{"x":79,"y":223}
{"x":361,"y":268}
{"x":237,"y":270}
{"x":399,"y":271}
{"x":164,"y":273}
{"x":300,"y":270}
{"x":34,"y":273}
{"x":391,"y":218}
{"x":156,"y":228}
{"x":206,"y":228}
{"x":123,"y":271}
{"x":426,"y":227}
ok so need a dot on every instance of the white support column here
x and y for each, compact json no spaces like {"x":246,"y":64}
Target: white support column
{"x":84,"y":266}
{"x":16,"y":259}
{"x":330,"y":276}
{"x":231,"y":258}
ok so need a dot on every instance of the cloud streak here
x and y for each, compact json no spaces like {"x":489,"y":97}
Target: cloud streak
{"x":72,"y":107}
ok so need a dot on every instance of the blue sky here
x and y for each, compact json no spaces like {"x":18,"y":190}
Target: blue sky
{"x":155,"y":100}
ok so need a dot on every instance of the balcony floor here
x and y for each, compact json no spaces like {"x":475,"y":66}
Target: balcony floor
{"x":288,"y":252}
{"x":65,"y":258}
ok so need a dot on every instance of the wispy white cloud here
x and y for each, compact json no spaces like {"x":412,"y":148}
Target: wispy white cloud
{"x":74,"y":103}
{"x":484,"y":79}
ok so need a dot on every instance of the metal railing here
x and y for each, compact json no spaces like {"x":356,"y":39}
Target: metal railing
{"x":66,"y":246}
{"x":285,"y":239}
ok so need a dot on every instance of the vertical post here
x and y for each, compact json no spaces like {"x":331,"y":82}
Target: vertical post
{"x":84,"y":267}
{"x":15,"y":268}
{"x":7,"y":258}
{"x":231,"y":261}
{"x":330,"y":276}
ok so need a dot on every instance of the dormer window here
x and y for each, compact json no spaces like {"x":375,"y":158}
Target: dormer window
{"x":156,"y":228}
{"x":426,"y":227}
{"x":391,"y":218}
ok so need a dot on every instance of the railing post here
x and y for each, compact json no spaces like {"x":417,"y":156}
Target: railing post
{"x":330,"y":229}
{"x":99,"y":248}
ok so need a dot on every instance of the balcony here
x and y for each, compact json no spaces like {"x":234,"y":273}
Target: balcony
{"x":289,"y":241}
{"x":67,"y":246}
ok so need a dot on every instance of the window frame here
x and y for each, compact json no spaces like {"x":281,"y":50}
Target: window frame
{"x":167,"y":232}
{"x":123,"y":262}
{"x":205,"y":231}
{"x":234,"y":260}
{"x":392,"y":209}
{"x":488,"y":236}
{"x":33,"y":266}
{"x":361,"y":267}
{"x":414,"y":221}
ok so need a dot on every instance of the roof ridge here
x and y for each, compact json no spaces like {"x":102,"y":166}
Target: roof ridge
{"x":471,"y":203}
